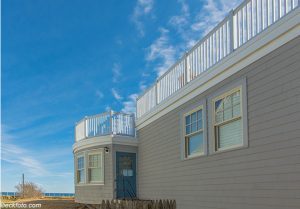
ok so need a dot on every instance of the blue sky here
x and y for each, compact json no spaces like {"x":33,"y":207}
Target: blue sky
{"x":64,"y":59}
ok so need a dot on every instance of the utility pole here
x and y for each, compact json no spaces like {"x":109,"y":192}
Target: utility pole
{"x":23,"y":185}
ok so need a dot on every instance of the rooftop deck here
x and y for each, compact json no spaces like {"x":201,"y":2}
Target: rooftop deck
{"x":108,"y":123}
{"x":241,"y":25}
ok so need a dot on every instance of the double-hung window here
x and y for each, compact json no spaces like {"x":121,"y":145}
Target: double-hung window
{"x":95,"y":167}
{"x":227,"y":120}
{"x":80,"y":169}
{"x":194,"y":133}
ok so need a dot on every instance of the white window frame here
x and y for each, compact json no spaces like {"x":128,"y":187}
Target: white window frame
{"x":187,"y":136}
{"x":84,"y":168}
{"x":95,"y":152}
{"x":243,"y":117}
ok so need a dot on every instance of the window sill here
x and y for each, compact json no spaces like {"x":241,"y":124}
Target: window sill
{"x":195,"y":156}
{"x":91,"y":184}
{"x":229,"y":149}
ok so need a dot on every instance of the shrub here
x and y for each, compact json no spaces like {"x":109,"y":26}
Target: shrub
{"x":30,"y":190}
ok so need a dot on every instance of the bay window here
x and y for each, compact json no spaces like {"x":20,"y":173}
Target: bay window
{"x":95,"y":167}
{"x":80,"y":169}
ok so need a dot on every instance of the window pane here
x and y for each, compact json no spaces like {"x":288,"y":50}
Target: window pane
{"x":187,"y":119}
{"x":94,"y":160}
{"x":80,"y":163}
{"x":218,"y":105}
{"x":95,"y":174}
{"x":199,"y":115}
{"x":194,"y":127}
{"x":236,"y":110}
{"x":236,"y":97}
{"x":228,"y":102}
{"x":188,"y":129}
{"x":219,"y":117}
{"x":230,"y":134}
{"x":195,"y":144}
{"x":228,"y":113}
{"x":194,"y":118}
{"x":199,"y":124}
{"x":81,"y":175}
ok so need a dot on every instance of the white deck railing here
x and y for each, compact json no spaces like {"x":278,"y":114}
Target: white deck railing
{"x":108,"y":123}
{"x":245,"y":22}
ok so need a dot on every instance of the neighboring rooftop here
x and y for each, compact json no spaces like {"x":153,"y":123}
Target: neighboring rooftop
{"x":244,"y":23}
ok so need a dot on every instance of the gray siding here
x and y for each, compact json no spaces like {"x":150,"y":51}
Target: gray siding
{"x":266,"y":175}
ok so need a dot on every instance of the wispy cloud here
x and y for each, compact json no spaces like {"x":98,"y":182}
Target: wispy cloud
{"x":162,"y":51}
{"x":99,"y":94}
{"x":212,"y":13}
{"x":142,"y":8}
{"x":18,"y":156}
{"x":189,"y":29}
{"x":36,"y":163}
{"x":142,"y":85}
{"x":116,"y":94}
{"x":129,"y":106}
{"x":116,"y":70}
{"x":181,"y":20}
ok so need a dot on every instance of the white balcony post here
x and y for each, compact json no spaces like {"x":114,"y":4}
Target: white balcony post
{"x":85,"y":127}
{"x":156,"y":93}
{"x":187,"y":73}
{"x":110,"y":121}
{"x":231,"y":32}
{"x":75,"y":132}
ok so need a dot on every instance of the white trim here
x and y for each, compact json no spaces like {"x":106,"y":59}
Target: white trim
{"x":104,"y":140}
{"x":186,"y":156}
{"x":215,"y":125}
{"x":230,"y":87}
{"x":79,"y":155}
{"x":275,"y":36}
{"x":201,"y":104}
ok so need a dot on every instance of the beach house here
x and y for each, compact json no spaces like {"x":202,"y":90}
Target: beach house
{"x":219,"y":129}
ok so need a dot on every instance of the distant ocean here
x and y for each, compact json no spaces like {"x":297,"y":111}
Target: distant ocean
{"x":12,"y":194}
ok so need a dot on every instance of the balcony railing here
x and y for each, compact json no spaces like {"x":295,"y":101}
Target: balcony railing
{"x":108,"y":123}
{"x":242,"y":24}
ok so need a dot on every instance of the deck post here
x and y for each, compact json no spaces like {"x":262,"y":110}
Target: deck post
{"x":156,"y":92}
{"x":110,"y":121}
{"x":85,"y":127}
{"x":231,"y":32}
{"x":186,"y":80}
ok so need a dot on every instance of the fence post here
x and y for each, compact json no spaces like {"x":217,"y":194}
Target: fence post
{"x":231,"y":32}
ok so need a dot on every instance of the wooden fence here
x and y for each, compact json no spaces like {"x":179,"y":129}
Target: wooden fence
{"x":131,"y":204}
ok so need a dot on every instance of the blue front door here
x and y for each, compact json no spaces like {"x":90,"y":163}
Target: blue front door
{"x":126,"y":175}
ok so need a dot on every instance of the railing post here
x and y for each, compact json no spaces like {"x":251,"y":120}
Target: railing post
{"x":156,"y":92}
{"x":75,"y":132}
{"x":85,"y":127}
{"x":231,"y":32}
{"x":110,"y":121}
{"x":133,"y":125}
{"x":186,"y":80}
